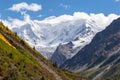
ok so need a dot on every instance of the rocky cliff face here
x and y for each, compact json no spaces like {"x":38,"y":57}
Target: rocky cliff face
{"x":63,"y":52}
{"x":67,"y":50}
{"x":102,"y":55}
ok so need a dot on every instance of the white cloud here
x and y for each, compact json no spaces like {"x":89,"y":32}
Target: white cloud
{"x":100,"y":19}
{"x":27,"y":18}
{"x":13,"y":22}
{"x":65,"y":6}
{"x":24,"y":7}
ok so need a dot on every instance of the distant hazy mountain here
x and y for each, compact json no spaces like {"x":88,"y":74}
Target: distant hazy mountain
{"x":46,"y":35}
{"x":101,"y":58}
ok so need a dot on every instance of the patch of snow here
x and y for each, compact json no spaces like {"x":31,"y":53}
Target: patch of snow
{"x":47,"y":34}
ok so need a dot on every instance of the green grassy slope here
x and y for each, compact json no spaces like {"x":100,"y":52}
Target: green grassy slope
{"x":18,"y":64}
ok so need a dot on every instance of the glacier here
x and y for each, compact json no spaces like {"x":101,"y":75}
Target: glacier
{"x":45,"y":35}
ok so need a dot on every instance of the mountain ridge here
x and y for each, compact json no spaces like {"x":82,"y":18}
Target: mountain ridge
{"x":45,"y":35}
{"x":101,"y":56}
{"x":24,"y":62}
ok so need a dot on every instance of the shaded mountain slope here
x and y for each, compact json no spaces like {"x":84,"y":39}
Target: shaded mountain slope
{"x":101,"y":58}
{"x":21,"y":62}
{"x":63,"y":52}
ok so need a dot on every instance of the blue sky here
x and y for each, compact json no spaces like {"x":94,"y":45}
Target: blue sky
{"x":60,"y":7}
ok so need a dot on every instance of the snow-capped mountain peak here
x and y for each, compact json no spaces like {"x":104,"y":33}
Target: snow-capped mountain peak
{"x":47,"y":34}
